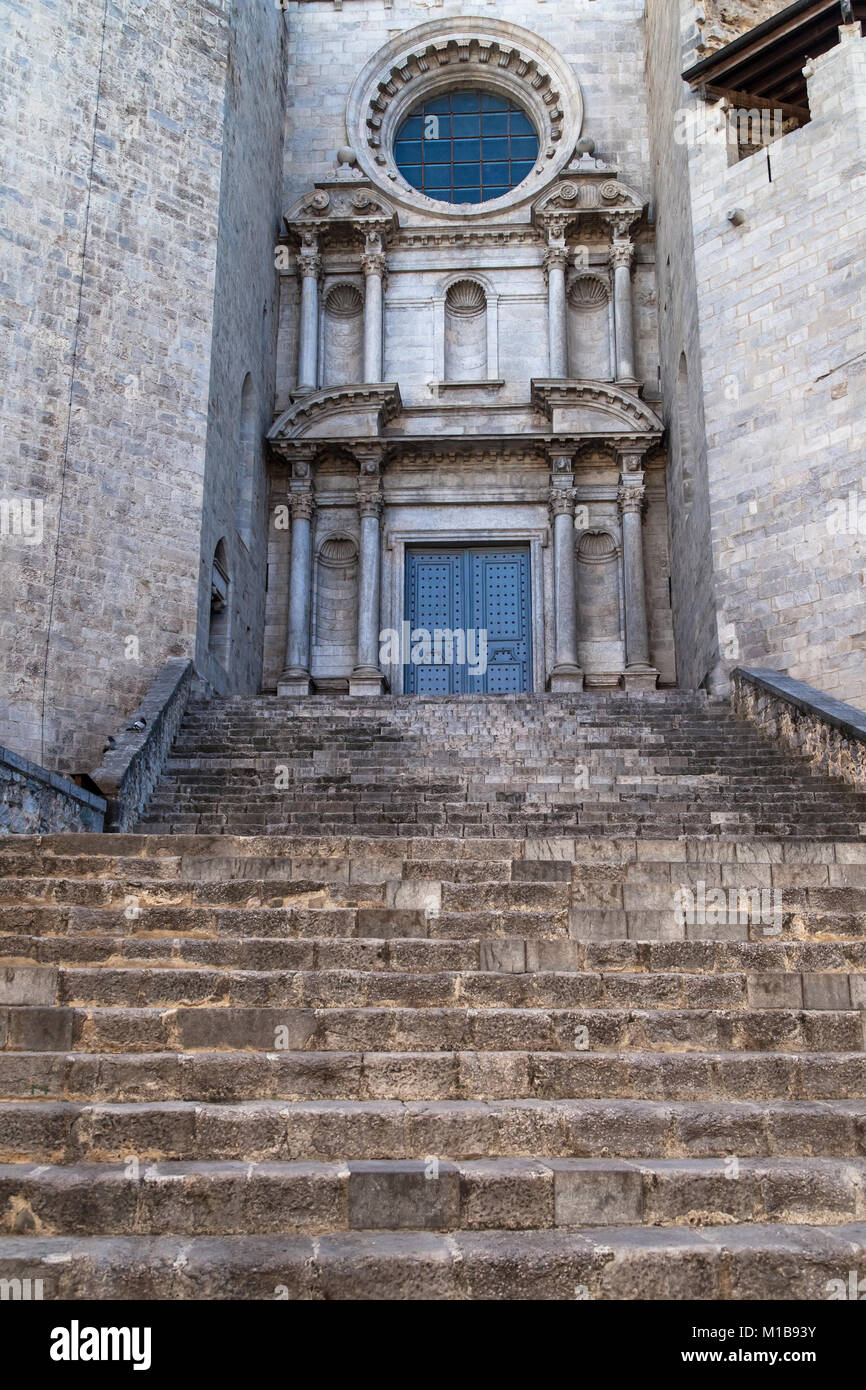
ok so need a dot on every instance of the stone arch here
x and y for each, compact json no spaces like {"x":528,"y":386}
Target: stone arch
{"x":343,"y":337}
{"x":589,"y":328}
{"x":219,"y":629}
{"x":466,"y":331}
{"x":599,"y":607}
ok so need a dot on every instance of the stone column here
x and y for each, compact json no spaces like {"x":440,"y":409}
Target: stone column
{"x":555,"y":261}
{"x":566,"y":674}
{"x":309,"y":269}
{"x":367,"y":677}
{"x":621,"y":256}
{"x":639,"y":673}
{"x":295,"y":678}
{"x":373,"y":263}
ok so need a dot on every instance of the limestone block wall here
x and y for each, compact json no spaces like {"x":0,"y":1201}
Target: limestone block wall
{"x":245,"y":321}
{"x":671,"y":37}
{"x":112,"y":124}
{"x":782,"y":308}
{"x":721,"y":21}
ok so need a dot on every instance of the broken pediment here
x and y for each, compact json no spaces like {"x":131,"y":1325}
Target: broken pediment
{"x":594,"y":407}
{"x":345,"y":412}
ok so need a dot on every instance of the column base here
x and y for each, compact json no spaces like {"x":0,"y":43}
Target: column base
{"x":640,"y":678}
{"x":367,"y":680}
{"x":565,"y":679}
{"x":294,"y":682}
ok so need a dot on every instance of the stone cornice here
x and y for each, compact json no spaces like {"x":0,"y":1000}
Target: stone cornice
{"x":596,"y":192}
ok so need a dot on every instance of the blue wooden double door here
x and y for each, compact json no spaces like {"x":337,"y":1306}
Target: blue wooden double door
{"x":481,"y":595}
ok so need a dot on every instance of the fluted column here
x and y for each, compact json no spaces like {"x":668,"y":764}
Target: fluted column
{"x":566,"y":674}
{"x":639,"y":672}
{"x":373,"y":263}
{"x":309,"y":269}
{"x":295,"y":678}
{"x":621,"y":256}
{"x":555,"y":261}
{"x":367,"y":677}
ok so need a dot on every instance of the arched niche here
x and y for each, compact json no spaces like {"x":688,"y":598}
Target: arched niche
{"x":466,"y":331}
{"x":599,"y":608}
{"x":343,"y":337}
{"x":335,"y":610}
{"x":589,"y":329}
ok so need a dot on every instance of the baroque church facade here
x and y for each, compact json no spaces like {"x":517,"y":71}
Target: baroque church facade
{"x":466,"y":445}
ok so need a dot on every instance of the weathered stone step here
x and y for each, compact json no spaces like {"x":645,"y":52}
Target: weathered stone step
{"x":734,"y":1262}
{"x":259,"y":1026}
{"x":168,"y":985}
{"x":299,"y":922}
{"x":328,"y":1130}
{"x":437,"y":1076}
{"x":538,"y":1193}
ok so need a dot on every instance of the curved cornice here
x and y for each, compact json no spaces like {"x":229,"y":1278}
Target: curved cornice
{"x":338,"y":412}
{"x":602,"y":404}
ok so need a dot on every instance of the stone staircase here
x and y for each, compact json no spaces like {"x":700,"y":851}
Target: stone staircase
{"x":553,"y":998}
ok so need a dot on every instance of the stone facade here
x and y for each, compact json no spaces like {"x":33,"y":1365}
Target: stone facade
{"x":505,"y":349}
{"x":762,"y":336}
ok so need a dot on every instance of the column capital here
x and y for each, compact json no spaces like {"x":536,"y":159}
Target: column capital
{"x":555,"y":258}
{"x":622,"y":253}
{"x":302,"y":504}
{"x":374,"y":263}
{"x":369,"y":502}
{"x":631,"y":498}
{"x":560,"y":501}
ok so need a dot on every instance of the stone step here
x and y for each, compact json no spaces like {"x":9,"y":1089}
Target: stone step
{"x":772,"y":1261}
{"x":473,"y":988}
{"x":329,"y":1130}
{"x":429,"y":955}
{"x":196,"y":1026}
{"x":239,"y":1077}
{"x":539,"y":1193}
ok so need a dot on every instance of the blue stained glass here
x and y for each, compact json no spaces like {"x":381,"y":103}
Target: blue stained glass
{"x":524,"y":147}
{"x":466,"y":147}
{"x":466,"y":126}
{"x":520,"y":124}
{"x":408,"y":152}
{"x":495,"y":149}
{"x":438,"y":176}
{"x":495,"y":173}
